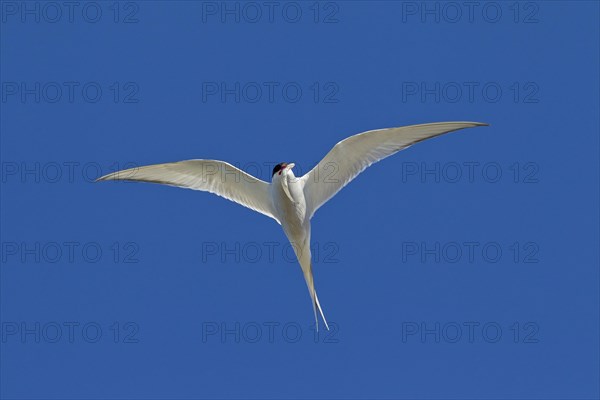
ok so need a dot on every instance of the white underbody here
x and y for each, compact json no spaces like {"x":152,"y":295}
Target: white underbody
{"x":289,"y":202}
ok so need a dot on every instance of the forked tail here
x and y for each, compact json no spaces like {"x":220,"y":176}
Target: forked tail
{"x":306,"y":264}
{"x":321,"y":311}
{"x":301,"y":246}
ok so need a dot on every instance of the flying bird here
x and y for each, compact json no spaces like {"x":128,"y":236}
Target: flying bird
{"x":292,"y":201}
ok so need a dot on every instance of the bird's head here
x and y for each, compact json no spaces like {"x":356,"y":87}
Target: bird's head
{"x":282,"y":169}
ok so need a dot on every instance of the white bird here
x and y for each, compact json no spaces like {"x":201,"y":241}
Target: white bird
{"x":292,"y":201}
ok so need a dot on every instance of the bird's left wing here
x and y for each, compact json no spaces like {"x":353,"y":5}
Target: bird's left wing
{"x":353,"y":155}
{"x":218,"y":177}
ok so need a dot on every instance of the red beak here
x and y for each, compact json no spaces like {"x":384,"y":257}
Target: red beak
{"x":282,"y":168}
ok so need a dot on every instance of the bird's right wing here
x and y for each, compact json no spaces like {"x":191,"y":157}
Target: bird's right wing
{"x":212,"y":176}
{"x":353,"y":155}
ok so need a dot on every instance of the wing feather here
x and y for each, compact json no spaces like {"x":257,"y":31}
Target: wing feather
{"x":218,"y":177}
{"x":353,"y":155}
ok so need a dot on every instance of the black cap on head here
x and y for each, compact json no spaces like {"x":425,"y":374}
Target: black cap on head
{"x":278,"y":168}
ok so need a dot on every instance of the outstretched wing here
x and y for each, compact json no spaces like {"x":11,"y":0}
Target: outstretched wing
{"x":212,"y":176}
{"x":353,"y":155}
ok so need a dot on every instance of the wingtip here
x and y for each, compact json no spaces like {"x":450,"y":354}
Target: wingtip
{"x":110,"y":177}
{"x":102,"y":178}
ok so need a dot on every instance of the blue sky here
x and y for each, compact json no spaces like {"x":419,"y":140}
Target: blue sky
{"x":464,"y":267}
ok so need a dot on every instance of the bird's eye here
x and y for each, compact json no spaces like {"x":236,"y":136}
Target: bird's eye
{"x":276,"y":169}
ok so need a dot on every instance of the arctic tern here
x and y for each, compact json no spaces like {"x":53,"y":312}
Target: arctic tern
{"x":292,"y":201}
